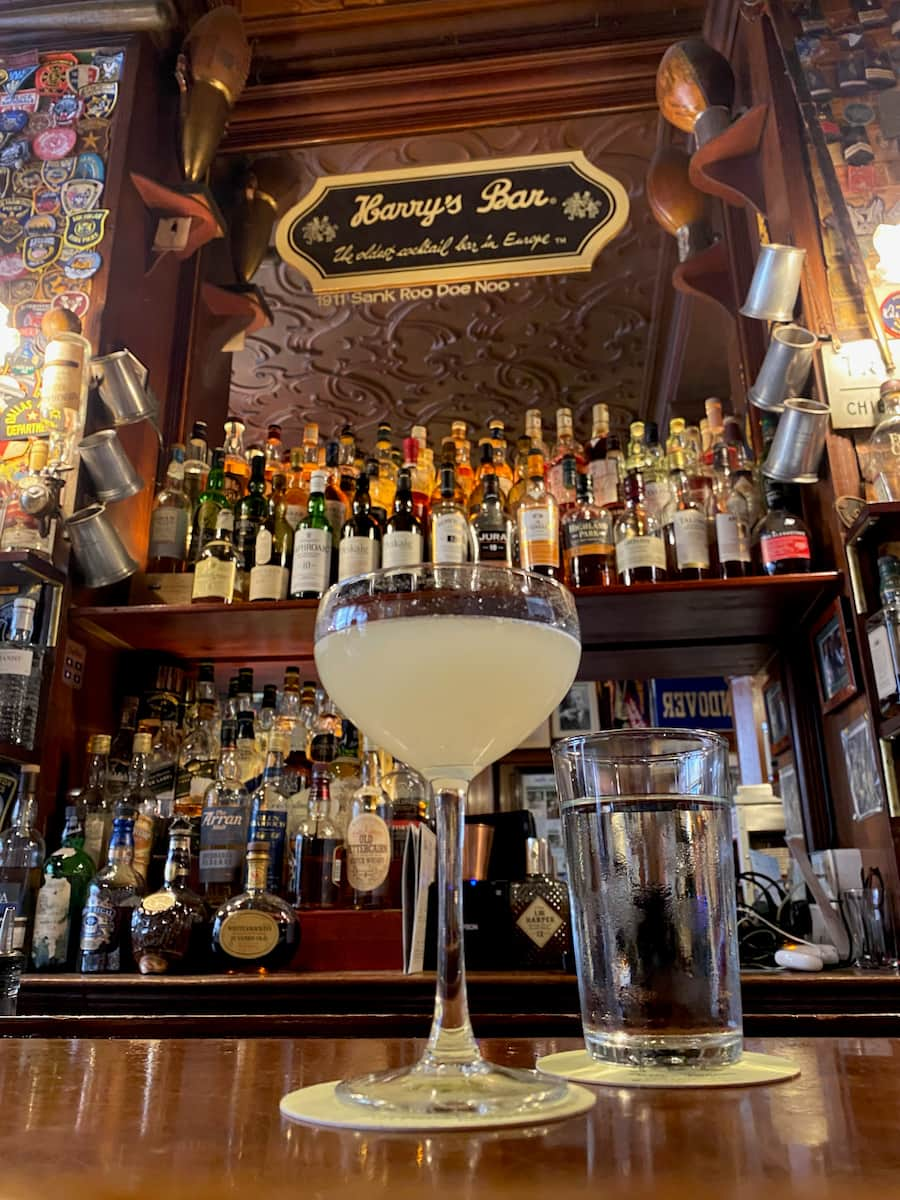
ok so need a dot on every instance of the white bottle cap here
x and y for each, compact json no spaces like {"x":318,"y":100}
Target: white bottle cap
{"x":317,"y":482}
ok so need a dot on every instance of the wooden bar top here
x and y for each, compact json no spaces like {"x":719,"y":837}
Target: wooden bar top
{"x":199,"y":1120}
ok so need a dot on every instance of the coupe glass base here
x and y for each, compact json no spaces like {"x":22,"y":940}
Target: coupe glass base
{"x":476,"y":1088}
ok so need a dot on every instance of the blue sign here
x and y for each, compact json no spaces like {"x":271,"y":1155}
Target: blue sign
{"x":701,"y":703}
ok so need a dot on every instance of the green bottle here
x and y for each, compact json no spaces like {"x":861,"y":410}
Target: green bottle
{"x":57,"y":917}
{"x":311,"y":567}
{"x":250,"y":515}
{"x":214,"y":514}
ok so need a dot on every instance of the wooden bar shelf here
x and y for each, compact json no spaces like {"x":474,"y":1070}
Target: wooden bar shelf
{"x":728,"y":166}
{"x":871,"y":516}
{"x":24,"y":566}
{"x":707,"y":276}
{"x":712,"y":626}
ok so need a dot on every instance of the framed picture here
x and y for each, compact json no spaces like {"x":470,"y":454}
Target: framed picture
{"x":777,"y":717}
{"x":862,"y":768}
{"x":790,"y":800}
{"x":540,"y":797}
{"x":834,"y":662}
{"x":578,"y":713}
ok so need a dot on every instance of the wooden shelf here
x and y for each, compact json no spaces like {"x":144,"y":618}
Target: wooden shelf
{"x":706,"y":276}
{"x":18,"y":754}
{"x":24,"y":566}
{"x":708,"y":627}
{"x":528,"y":757}
{"x":872,"y":515}
{"x":728,"y":166}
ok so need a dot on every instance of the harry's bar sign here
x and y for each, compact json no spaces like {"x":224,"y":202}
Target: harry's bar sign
{"x":497,"y":218}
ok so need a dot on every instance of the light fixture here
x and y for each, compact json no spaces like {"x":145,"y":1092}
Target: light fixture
{"x":887,"y":246}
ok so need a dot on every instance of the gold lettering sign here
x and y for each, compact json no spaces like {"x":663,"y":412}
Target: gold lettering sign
{"x":491,"y":219}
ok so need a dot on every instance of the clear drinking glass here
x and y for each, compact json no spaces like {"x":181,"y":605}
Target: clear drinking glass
{"x":869,"y":914}
{"x":647,"y":830}
{"x":417,"y":671}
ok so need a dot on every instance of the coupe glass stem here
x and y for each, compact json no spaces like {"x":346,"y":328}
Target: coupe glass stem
{"x":451,"y":1039}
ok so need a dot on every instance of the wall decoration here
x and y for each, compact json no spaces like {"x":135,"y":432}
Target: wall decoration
{"x":777,"y":717}
{"x":577,"y":713}
{"x":866,"y":790}
{"x":834,"y":662}
{"x":789,"y":791}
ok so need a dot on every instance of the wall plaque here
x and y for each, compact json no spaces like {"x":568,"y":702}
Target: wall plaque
{"x":453,"y":225}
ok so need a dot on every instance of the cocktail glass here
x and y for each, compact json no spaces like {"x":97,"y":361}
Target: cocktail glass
{"x":449,"y":668}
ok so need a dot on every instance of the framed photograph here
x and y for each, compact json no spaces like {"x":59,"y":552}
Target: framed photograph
{"x":578,"y":713}
{"x":777,"y":717}
{"x":866,"y":791}
{"x":540,"y":797}
{"x":790,"y":800}
{"x":834,"y":662}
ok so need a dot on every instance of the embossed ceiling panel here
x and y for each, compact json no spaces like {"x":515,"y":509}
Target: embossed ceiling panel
{"x":575,"y":338}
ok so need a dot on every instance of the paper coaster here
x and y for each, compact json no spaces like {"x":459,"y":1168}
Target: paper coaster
{"x":318,"y":1105}
{"x":749,"y":1070}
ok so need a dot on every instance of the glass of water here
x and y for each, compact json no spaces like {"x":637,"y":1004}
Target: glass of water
{"x":647,"y":829}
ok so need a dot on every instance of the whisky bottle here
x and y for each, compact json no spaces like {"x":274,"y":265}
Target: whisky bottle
{"x":236,"y":466}
{"x":105,"y":941}
{"x":311,"y":568}
{"x":22,"y":853}
{"x":199,"y":751}
{"x":360,"y":548}
{"x":491,"y":530}
{"x":140,"y":806}
{"x":196,"y":464}
{"x":95,"y":801}
{"x":589,"y":552}
{"x":21,"y":677}
{"x":732,"y":519}
{"x":268,"y":813}
{"x":310,"y":451}
{"x":538,"y":521}
{"x":223,"y":825}
{"x":449,"y":527}
{"x":462,"y":460}
{"x":273,"y":452}
{"x":337,"y":501}
{"x":781,"y":540}
{"x":214,"y":514}
{"x":368,"y":840}
{"x":272,"y":553}
{"x":383,"y":492}
{"x":318,"y":851}
{"x":883,"y":635}
{"x":539,"y":905}
{"x":403,"y":544}
{"x":565,"y":444}
{"x":249,"y":518}
{"x":119,"y":762}
{"x":296,"y":494}
{"x":640,"y":549}
{"x":687,"y":538}
{"x":57,"y":916}
{"x":251,"y":763}
{"x":170,"y":521}
{"x":255,"y":931}
{"x":169,"y":927}
{"x":216,"y":572}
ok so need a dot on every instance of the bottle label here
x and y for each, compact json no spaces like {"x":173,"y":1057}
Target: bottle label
{"x":493,"y":545}
{"x":777,"y":547}
{"x":539,"y":537}
{"x":605,"y":477}
{"x":882,"y":662}
{"x":311,"y":568}
{"x":646,"y":550}
{"x":270,"y":826}
{"x":449,"y":538}
{"x":50,"y":942}
{"x":294,"y":514}
{"x":143,"y":842}
{"x":368,"y":852}
{"x":401,"y":548}
{"x":539,"y":922}
{"x":222,"y":843}
{"x":731,"y":538}
{"x":268,"y":583}
{"x":192,"y":780}
{"x":168,"y":533}
{"x":588,"y":536}
{"x":657,"y":495}
{"x":99,"y":924}
{"x":158,"y":902}
{"x":94,"y":833}
{"x":336,"y":515}
{"x":161,"y":781}
{"x":357,"y":556}
{"x":691,"y":546}
{"x":262,"y":550}
{"x":214,"y":580}
{"x":248,"y":934}
{"x":224,"y":522}
{"x":16,"y":662}
{"x":256,"y":874}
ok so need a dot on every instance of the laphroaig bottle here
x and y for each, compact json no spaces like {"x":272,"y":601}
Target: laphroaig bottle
{"x":368,"y":840}
{"x":22,"y":854}
{"x":170,"y":521}
{"x":403,"y":544}
{"x":105,"y":942}
{"x":311,"y":568}
{"x":360,"y":548}
{"x":492,"y":534}
{"x":640,"y":549}
{"x":538,"y":522}
{"x":781,"y":539}
{"x":57,"y":917}
{"x":449,"y":527}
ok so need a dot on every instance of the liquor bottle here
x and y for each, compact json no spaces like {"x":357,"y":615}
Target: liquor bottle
{"x":22,"y":854}
{"x":636,"y":456}
{"x":213,"y":514}
{"x":640,"y":549}
{"x":216,"y":571}
{"x":140,"y":805}
{"x":196,"y":464}
{"x":57,"y":915}
{"x":169,"y":927}
{"x":265,"y":721}
{"x":403,"y":543}
{"x":462,"y":450}
{"x":881,"y":461}
{"x":870,"y":14}
{"x":368,"y":840}
{"x":449,"y":528}
{"x":318,"y":850}
{"x":534,"y":431}
{"x":781,"y":540}
{"x":311,"y":567}
{"x":344,"y":777}
{"x":491,"y":530}
{"x":420,"y":477}
{"x":347,"y":450}
{"x":485,"y":467}
{"x":296,"y":493}
{"x":409,"y":793}
{"x":520,"y":476}
{"x":249,"y":518}
{"x":105,"y":939}
{"x":170,"y":521}
{"x":687,"y":535}
{"x":360,"y":548}
{"x":589,"y":552}
{"x":21,"y":676}
{"x":255,"y":931}
{"x":732,"y":519}
{"x":250,"y":762}
{"x":539,"y":906}
{"x":246,"y":692}
{"x":499,"y":456}
{"x":236,"y":466}
{"x":199,"y":752}
{"x":538,"y":522}
{"x":565,"y":444}
{"x":605,"y":465}
{"x":273,"y":453}
{"x":223,"y":825}
{"x":95,"y":803}
{"x":162,"y":761}
{"x":337,"y":501}
{"x":883,"y":635}
{"x":272,"y":554}
{"x":387,"y":469}
{"x":310,"y":450}
{"x":657,"y":484}
{"x":596,"y":448}
{"x":119,"y":761}
{"x":569,"y":486}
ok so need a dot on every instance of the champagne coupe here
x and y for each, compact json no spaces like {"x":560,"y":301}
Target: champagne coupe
{"x":449,"y":668}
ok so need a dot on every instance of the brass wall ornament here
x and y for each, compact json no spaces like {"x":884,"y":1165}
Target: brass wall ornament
{"x":453,"y":224}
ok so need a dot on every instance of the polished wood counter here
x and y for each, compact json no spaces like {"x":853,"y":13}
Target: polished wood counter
{"x":197,"y":1120}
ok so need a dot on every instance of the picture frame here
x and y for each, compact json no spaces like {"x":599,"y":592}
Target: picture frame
{"x":861,"y":759}
{"x":540,"y":797}
{"x":777,"y":717}
{"x":835,"y":674}
{"x":579,"y":712}
{"x":789,"y":792}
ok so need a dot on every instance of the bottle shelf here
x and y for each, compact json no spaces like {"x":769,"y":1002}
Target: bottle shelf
{"x":709,"y":627}
{"x":24,"y":566}
{"x":870,"y":516}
